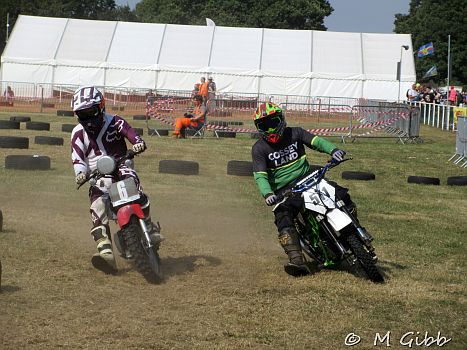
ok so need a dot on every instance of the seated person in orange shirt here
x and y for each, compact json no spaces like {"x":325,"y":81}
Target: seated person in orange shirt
{"x":195,"y":120}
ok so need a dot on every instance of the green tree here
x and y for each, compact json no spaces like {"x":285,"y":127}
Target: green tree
{"x":432,"y":21}
{"x":284,"y":14}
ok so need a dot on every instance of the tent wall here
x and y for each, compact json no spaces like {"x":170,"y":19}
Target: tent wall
{"x":64,"y":51}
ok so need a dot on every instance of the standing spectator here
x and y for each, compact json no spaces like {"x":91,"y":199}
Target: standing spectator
{"x":437,"y":96}
{"x":459,"y":98}
{"x":203,"y":89}
{"x":412,"y":93}
{"x":428,"y":95}
{"x":9,"y":94}
{"x":452,"y":96}
{"x":150,"y":98}
{"x":211,"y":94}
{"x":195,"y":90}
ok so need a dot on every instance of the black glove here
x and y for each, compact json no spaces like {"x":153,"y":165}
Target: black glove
{"x":270,"y":199}
{"x":338,"y":154}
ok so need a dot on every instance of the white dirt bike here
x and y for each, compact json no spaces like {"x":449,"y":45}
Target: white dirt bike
{"x":328,"y":232}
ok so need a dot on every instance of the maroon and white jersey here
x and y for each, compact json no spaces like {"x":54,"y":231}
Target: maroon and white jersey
{"x":87,"y":147}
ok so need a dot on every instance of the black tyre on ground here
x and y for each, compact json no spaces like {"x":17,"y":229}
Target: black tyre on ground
{"x":37,"y":126}
{"x":364,"y":259}
{"x":68,"y":127}
{"x":182,"y":167}
{"x":26,"y":162}
{"x":358,"y":175}
{"x":218,"y":123}
{"x":240,"y":168}
{"x":424,"y":180}
{"x":1,"y":221}
{"x":255,"y":135}
{"x":65,"y":113}
{"x":9,"y":124}
{"x":147,"y":260}
{"x":457,"y":180}
{"x":161,"y":132}
{"x":14,"y":142}
{"x":48,"y":140}
{"x":139,"y":117}
{"x":228,"y":134}
{"x":20,"y":118}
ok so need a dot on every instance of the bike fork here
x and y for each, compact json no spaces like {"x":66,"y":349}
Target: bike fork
{"x":146,"y":232}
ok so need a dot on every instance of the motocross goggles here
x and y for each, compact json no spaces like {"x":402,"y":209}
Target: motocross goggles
{"x":269,"y":125}
{"x":88,"y":113}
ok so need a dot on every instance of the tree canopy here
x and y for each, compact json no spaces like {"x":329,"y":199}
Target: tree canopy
{"x":283,"y":14}
{"x":432,"y":21}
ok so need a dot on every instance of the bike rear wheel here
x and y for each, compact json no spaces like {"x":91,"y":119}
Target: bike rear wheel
{"x":364,"y":258}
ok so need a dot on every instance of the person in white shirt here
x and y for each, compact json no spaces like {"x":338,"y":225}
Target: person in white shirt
{"x":412,"y":93}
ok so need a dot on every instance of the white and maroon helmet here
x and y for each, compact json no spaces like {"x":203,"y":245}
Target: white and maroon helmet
{"x":89,"y":106}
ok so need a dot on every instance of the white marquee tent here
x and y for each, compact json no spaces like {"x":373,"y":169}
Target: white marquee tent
{"x":65,"y":51}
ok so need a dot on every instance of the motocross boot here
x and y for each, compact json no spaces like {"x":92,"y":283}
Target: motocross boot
{"x":104,"y":260}
{"x":288,"y":238}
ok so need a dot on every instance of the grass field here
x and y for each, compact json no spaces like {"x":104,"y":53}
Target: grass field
{"x":225,"y":287}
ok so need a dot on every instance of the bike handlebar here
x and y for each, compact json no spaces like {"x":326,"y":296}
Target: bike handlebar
{"x":95,"y":174}
{"x":313,"y":178}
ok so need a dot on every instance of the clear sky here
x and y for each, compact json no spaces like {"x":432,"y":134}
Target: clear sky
{"x":361,"y":16}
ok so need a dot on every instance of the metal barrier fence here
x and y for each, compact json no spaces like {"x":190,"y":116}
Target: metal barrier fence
{"x":384,"y":119}
{"x":388,"y":120}
{"x":460,"y":157}
{"x":46,"y":97}
{"x":334,"y":116}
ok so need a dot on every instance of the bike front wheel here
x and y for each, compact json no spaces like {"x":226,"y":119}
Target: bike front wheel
{"x":146,"y":259}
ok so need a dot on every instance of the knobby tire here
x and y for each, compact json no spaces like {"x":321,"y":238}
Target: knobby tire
{"x":364,"y":259}
{"x":132,"y":235}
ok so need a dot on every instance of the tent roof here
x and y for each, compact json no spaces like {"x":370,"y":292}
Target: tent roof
{"x":137,"y":48}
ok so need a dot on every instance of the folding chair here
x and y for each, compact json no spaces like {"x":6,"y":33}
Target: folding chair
{"x":201,"y":128}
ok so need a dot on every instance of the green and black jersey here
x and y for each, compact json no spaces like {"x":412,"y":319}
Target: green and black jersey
{"x":275,"y":165}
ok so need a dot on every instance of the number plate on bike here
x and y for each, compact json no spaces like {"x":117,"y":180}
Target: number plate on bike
{"x":124,"y":191}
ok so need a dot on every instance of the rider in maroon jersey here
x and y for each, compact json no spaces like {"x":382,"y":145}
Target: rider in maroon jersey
{"x":98,"y":134}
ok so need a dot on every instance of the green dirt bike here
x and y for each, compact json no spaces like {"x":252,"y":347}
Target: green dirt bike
{"x":328,"y":232}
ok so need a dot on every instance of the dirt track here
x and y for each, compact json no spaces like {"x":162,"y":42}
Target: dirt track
{"x":224,"y":285}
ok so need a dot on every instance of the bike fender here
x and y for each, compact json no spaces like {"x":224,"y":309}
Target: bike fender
{"x":126,"y":212}
{"x":338,"y":219}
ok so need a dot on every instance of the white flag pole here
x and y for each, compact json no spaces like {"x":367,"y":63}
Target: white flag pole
{"x":449,"y":59}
